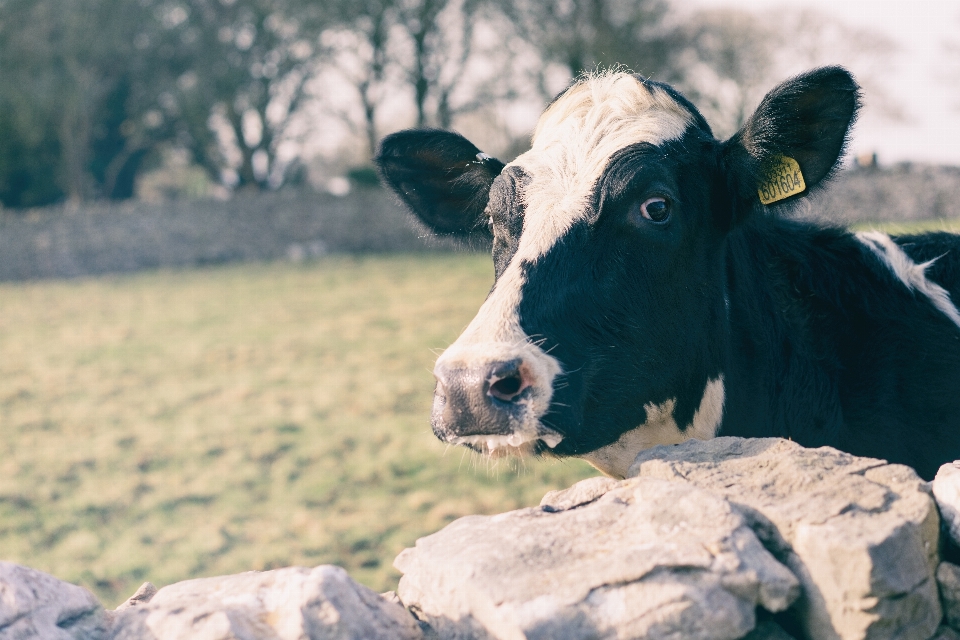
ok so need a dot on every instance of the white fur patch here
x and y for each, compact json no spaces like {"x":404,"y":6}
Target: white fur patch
{"x":911,"y":274}
{"x":661,"y":428}
{"x":572,"y":145}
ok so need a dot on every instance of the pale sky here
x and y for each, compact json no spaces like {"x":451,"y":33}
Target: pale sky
{"x":924,"y":76}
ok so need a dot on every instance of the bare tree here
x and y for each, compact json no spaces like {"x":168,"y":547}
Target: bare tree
{"x":76,"y":92}
{"x":440,"y":36}
{"x":241,"y":67}
{"x":729,"y":64}
{"x":734,"y":56}
{"x":421,"y":48}
{"x":358,"y":45}
{"x":582,"y":35}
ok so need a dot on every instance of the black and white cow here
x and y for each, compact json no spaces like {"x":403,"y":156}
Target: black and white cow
{"x":644,"y":295}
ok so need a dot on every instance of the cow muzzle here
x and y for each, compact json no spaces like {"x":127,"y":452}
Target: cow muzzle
{"x":496,"y":405}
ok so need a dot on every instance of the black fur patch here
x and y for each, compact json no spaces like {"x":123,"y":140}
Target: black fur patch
{"x":440,"y":176}
{"x":829,"y":348}
{"x":505,"y":209}
{"x":944,"y":250}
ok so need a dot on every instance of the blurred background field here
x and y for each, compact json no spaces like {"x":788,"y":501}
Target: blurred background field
{"x":175,"y":424}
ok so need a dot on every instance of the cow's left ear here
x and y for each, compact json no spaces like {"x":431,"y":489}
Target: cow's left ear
{"x":794,"y":141}
{"x":441,"y":176}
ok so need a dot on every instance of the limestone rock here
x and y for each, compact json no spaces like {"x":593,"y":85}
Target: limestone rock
{"x":647,"y":559}
{"x":948,"y":579}
{"x":946,"y":489}
{"x":579,"y":494}
{"x":36,"y":606}
{"x":295,"y":603}
{"x":141,"y":596}
{"x":861,"y":534}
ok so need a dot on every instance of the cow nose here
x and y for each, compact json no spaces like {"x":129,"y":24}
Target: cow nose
{"x":505,"y":381}
{"x":479,"y":398}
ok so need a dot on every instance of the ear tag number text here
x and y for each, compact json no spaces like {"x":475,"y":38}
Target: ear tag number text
{"x":782,"y":180}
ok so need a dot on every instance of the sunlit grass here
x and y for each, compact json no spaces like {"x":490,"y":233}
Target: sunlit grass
{"x":907,"y":228}
{"x":170,"y":425}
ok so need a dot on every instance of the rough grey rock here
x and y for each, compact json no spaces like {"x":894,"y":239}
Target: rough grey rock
{"x":295,"y":603}
{"x":647,"y":559}
{"x":35,"y":605}
{"x":581,"y":493}
{"x":948,"y":579}
{"x":861,"y":534}
{"x":946,"y":490}
{"x":140,"y":596}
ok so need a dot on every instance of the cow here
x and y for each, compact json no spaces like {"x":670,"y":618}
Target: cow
{"x":652,"y":284}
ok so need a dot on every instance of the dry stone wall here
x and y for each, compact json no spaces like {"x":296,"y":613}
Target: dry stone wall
{"x":731,"y":538}
{"x":648,"y":558}
{"x":899,"y":193}
{"x":60,"y":242}
{"x":861,"y":535}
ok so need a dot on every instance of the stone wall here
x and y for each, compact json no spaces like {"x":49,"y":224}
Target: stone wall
{"x":288,"y":225}
{"x":725,"y":539}
{"x":900,"y":193}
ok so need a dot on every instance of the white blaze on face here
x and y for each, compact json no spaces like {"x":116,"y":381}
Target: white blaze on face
{"x":661,"y":428}
{"x":572,"y":145}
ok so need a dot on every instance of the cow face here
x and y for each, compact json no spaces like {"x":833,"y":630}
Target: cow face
{"x":603,"y":333}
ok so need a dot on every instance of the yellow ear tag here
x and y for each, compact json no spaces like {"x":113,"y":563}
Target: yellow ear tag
{"x":782,"y":180}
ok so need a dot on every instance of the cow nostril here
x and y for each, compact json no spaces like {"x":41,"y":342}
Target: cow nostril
{"x":507,"y":388}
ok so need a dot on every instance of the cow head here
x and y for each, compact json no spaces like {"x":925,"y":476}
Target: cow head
{"x":602,"y":334}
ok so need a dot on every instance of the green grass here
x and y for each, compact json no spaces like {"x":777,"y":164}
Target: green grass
{"x":171,"y":425}
{"x":907,"y":228}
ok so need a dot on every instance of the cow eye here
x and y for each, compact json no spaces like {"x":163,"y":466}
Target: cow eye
{"x":655,"y":209}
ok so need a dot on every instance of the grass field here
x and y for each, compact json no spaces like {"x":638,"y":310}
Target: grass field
{"x":171,"y":425}
{"x":906,"y":228}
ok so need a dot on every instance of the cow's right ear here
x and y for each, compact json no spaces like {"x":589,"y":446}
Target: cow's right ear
{"x":441,"y":176}
{"x":793,"y":143}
